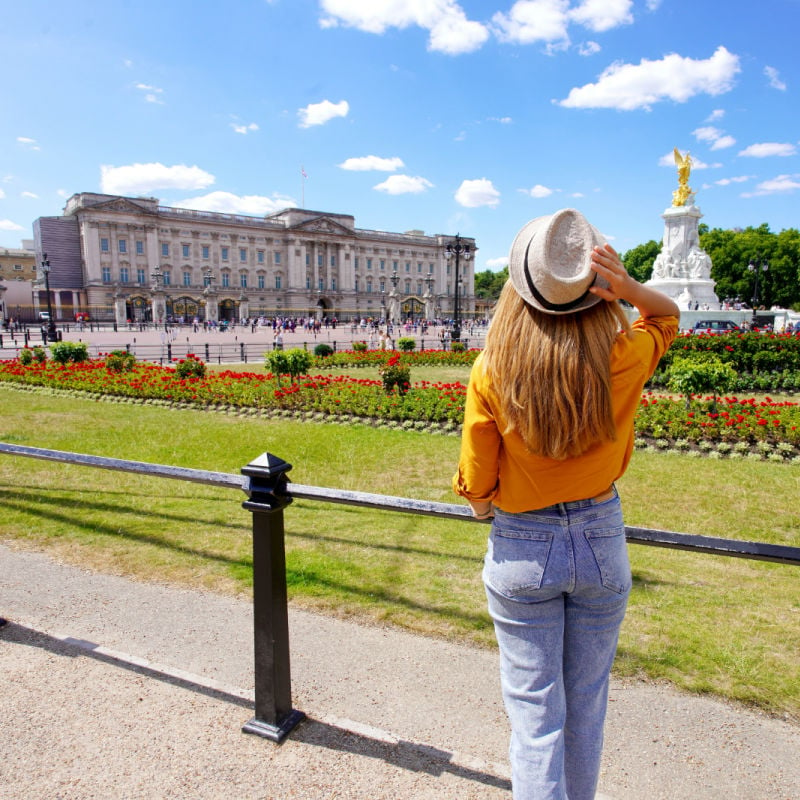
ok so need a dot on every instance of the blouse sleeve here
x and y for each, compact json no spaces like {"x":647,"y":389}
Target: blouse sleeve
{"x":662,"y":331}
{"x":478,"y":465}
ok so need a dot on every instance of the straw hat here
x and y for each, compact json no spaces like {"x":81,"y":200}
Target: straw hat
{"x":549,"y":264}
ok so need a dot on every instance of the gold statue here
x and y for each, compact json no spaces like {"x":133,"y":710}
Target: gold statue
{"x":683,"y":192}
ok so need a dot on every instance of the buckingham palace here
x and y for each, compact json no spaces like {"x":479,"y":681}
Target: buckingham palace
{"x":128,"y":258}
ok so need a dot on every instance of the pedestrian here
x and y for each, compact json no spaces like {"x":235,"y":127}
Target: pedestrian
{"x":548,"y":428}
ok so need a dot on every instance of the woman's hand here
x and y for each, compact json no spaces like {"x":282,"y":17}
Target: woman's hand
{"x":606,"y":263}
{"x":649,"y":301}
{"x":482,"y":510}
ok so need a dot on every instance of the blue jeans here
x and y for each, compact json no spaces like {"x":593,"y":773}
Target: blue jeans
{"x":557,"y":580}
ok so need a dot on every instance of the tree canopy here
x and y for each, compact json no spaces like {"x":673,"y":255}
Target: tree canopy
{"x":732,"y":252}
{"x":488,"y":284}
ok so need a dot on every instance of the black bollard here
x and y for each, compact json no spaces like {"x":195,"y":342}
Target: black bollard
{"x":266,"y":489}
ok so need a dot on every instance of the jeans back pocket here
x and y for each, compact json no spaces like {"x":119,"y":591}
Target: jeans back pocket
{"x":516,"y":559}
{"x":611,"y":554}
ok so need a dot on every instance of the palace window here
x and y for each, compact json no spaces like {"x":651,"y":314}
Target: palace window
{"x":106,"y":274}
{"x":243,"y":255}
{"x":139,"y":247}
{"x":225,"y":253}
{"x":104,"y":245}
{"x":185,"y":248}
{"x":140,"y":276}
{"x":260,"y":282}
{"x":123,"y":245}
{"x":166,"y":276}
{"x":226,"y":280}
{"x":243,"y":280}
{"x":206,"y":252}
{"x":164,"y":249}
{"x":123,"y":275}
{"x":187,"y":278}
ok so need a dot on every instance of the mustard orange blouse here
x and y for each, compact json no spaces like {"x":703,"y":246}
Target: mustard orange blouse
{"x":499,"y":468}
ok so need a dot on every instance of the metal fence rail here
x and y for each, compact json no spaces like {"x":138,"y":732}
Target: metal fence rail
{"x":269,"y":492}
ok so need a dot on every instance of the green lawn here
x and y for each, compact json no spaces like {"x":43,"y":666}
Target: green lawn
{"x":706,"y":623}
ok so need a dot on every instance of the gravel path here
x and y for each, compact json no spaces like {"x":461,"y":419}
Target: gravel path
{"x":113,"y":687}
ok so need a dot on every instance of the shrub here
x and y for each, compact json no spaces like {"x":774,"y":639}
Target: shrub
{"x":120,"y":361}
{"x":691,"y":376}
{"x":190,"y":367}
{"x":65,"y":352}
{"x":28,"y":355}
{"x":289,"y":362}
{"x":406,"y":344}
{"x":323,"y":350}
{"x":359,"y":347}
{"x":458,"y":347}
{"x":395,"y":374}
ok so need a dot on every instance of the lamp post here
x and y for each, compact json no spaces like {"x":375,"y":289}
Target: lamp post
{"x":51,"y":325}
{"x":755,"y":269}
{"x":455,"y":248}
{"x":394,"y":311}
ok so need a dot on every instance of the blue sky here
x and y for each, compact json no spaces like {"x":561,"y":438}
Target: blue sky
{"x":449,"y":116}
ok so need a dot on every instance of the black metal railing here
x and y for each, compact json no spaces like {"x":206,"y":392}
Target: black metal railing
{"x":269,"y":491}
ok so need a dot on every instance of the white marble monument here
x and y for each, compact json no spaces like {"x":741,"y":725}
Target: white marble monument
{"x":682,"y":270}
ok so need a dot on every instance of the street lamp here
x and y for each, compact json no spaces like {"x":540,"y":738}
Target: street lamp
{"x":755,"y":269}
{"x":459,"y":250}
{"x":51,"y":325}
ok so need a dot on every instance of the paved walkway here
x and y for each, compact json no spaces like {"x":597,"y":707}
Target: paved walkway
{"x":119,"y":688}
{"x":151,"y":343}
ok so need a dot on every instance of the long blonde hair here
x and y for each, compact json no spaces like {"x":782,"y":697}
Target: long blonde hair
{"x":552,"y":373}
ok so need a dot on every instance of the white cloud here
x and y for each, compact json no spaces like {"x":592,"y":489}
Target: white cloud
{"x":717,"y":113}
{"x":152,"y":93}
{"x":244,"y":129}
{"x":714,"y":137}
{"x":370,"y":163}
{"x":2,"y":194}
{"x":729,"y":181}
{"x":602,"y":15}
{"x":63,"y":193}
{"x":538,"y":191}
{"x":588,"y":48}
{"x":767,"y":149}
{"x":8,"y":225}
{"x":476,"y":193}
{"x":403,"y":184}
{"x":496,"y":264}
{"x":781,"y":184}
{"x":501,"y":120}
{"x":629,"y":86}
{"x":449,"y":29}
{"x":143,"y":178}
{"x":723,"y":142}
{"x":774,"y":79}
{"x":26,"y":141}
{"x":29,"y":195}
{"x":320,"y":113}
{"x":531,"y":21}
{"x":228,"y":203}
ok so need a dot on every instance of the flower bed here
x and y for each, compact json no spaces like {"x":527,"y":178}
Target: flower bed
{"x":344,"y":395}
{"x":732,"y":428}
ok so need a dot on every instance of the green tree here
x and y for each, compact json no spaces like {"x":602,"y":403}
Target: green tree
{"x":639,"y":260}
{"x":488,"y":284}
{"x":732,"y":251}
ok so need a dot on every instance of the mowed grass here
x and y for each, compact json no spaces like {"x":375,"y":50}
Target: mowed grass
{"x":706,"y":623}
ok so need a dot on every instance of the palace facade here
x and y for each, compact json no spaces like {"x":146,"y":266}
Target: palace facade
{"x":120,"y":258}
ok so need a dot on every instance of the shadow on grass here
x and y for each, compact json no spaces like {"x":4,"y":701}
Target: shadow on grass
{"x":412,"y":756}
{"x":51,"y":509}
